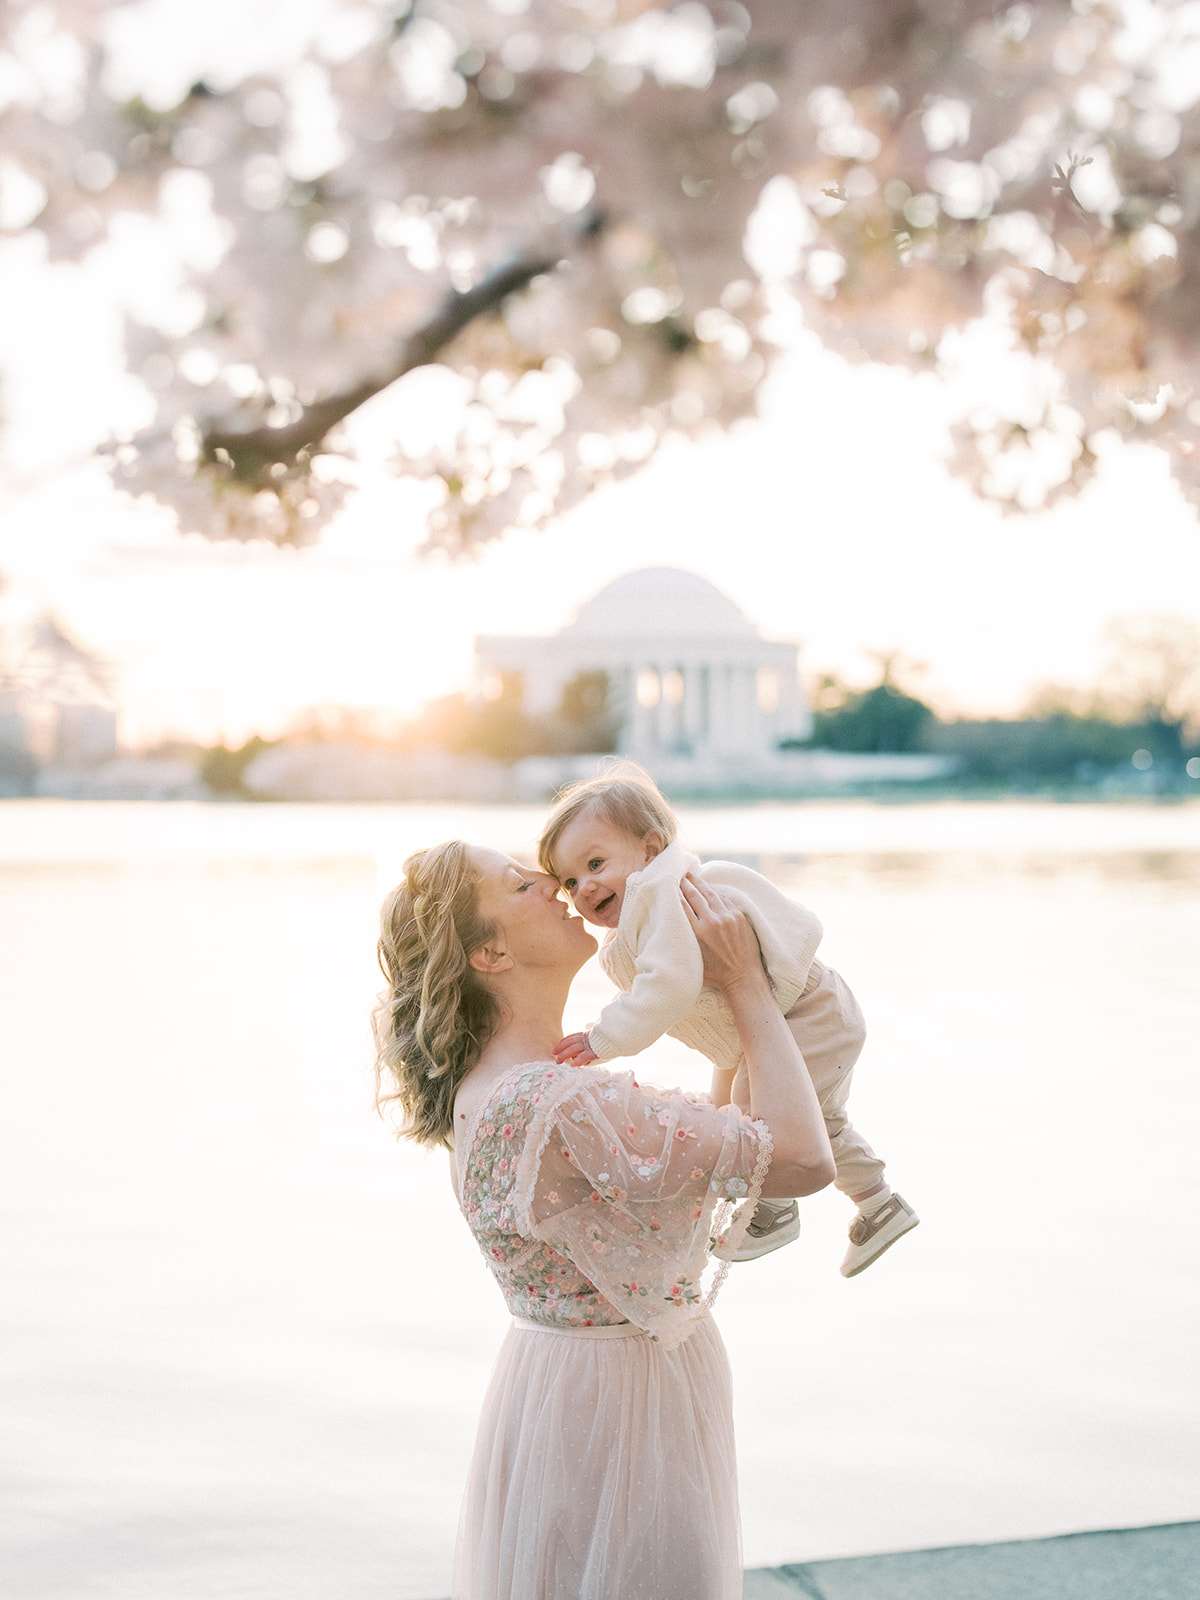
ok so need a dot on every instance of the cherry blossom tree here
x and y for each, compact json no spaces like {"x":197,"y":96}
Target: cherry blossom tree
{"x":584,"y":225}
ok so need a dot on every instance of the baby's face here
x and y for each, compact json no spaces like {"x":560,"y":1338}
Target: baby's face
{"x":592,"y":861}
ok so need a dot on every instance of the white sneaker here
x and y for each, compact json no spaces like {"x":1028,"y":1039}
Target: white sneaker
{"x":871,"y":1235}
{"x":774,"y":1224}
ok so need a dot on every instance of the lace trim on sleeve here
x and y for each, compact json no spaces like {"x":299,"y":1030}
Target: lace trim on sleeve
{"x":734,"y":1226}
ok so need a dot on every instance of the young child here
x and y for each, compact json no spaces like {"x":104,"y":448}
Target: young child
{"x":611,"y":843}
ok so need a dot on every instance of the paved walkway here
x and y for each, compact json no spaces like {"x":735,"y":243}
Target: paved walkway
{"x":1160,"y":1563}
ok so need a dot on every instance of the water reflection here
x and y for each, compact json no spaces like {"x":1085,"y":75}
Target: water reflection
{"x":791,"y":871}
{"x":247,"y":1332}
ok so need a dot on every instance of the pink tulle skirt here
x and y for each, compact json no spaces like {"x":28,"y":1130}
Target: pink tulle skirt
{"x":604,"y":1469}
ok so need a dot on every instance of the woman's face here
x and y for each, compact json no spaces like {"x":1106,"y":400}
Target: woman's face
{"x":533,"y":926}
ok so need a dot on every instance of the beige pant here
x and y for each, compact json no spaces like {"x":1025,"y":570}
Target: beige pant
{"x":828,"y":1025}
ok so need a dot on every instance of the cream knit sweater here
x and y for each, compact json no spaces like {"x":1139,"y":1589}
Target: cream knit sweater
{"x":652,"y":955}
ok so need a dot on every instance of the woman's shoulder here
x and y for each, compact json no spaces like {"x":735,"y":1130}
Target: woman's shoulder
{"x":481,"y":1087}
{"x":524,"y":1087}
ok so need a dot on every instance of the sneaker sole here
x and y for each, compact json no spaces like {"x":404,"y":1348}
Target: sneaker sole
{"x":751,"y":1249}
{"x":861,"y":1266}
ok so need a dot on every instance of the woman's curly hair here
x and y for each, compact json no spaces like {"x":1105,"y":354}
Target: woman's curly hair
{"x":436,"y":1014}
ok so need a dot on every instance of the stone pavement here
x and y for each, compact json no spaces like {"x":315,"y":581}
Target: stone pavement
{"x":1161,"y":1563}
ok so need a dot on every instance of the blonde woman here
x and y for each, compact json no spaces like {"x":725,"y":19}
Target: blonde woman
{"x":604,"y":1466}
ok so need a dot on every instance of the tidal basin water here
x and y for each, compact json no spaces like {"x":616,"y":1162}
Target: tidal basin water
{"x":245,"y":1333}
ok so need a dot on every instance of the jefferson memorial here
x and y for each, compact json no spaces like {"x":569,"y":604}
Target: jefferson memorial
{"x":690,"y":678}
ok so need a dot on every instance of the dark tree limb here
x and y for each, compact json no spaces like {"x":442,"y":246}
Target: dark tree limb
{"x":248,"y":456}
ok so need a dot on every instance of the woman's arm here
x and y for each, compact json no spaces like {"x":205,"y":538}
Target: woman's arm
{"x":781,"y":1091}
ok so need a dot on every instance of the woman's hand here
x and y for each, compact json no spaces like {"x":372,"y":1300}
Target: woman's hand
{"x":728,"y":944}
{"x":780,"y":1090}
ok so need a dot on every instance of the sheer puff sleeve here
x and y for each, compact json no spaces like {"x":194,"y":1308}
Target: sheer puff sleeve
{"x":632,"y":1185}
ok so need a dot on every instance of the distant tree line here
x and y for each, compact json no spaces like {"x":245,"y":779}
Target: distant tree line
{"x":1052,"y":743}
{"x":583,"y":723}
{"x":878,"y":721}
{"x":223,"y":769}
{"x":1059,"y":746}
{"x":1145,"y":714}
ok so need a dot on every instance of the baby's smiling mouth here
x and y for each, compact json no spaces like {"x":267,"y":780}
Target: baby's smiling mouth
{"x":603,"y":905}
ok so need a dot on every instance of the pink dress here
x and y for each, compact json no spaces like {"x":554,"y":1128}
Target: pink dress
{"x":604,"y":1466}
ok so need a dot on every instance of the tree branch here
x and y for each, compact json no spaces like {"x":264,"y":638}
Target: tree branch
{"x":249,"y":455}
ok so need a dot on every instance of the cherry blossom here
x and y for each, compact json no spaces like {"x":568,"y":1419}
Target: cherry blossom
{"x":534,"y":254}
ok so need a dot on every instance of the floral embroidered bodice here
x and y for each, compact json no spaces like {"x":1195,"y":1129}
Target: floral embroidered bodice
{"x":594,"y":1201}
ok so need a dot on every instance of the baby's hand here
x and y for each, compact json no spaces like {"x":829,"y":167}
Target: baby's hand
{"x":574,"y":1049}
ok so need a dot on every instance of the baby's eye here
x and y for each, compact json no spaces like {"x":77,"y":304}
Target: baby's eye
{"x":595,"y":863}
{"x":569,"y":884}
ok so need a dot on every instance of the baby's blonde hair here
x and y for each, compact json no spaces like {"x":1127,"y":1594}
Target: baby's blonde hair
{"x":625,"y":797}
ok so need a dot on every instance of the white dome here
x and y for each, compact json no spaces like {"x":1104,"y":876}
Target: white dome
{"x":660,"y":603}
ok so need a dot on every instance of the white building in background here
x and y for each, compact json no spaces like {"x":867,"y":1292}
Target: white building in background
{"x":703,"y":702}
{"x":691,"y":679}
